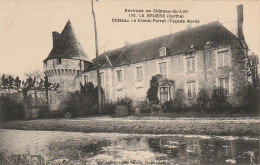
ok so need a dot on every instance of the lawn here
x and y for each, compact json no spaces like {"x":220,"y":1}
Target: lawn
{"x":237,"y":126}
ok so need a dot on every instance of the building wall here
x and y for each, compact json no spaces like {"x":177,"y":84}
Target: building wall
{"x":206,"y":75}
{"x":67,"y":75}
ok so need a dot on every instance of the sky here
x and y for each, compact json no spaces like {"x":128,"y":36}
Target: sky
{"x":26,"y":26}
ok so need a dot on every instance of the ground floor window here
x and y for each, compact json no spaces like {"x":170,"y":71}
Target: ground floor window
{"x":191,"y":89}
{"x":164,"y":94}
{"x":224,"y":83}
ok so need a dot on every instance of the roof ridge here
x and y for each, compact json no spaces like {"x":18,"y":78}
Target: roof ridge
{"x":181,"y":31}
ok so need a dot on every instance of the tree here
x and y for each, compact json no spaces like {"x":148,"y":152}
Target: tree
{"x":152,"y":93}
{"x":82,"y":102}
{"x":9,"y":84}
{"x":253,"y":70}
{"x":202,"y":99}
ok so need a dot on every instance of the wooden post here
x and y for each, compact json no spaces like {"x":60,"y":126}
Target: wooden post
{"x":98,"y":72}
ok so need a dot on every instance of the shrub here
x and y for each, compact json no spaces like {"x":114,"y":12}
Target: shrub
{"x":251,"y":95}
{"x":11,"y":109}
{"x":127,"y":102}
{"x":219,"y":100}
{"x":202,"y":100}
{"x":83,"y":102}
{"x":152,"y":93}
{"x":122,"y":110}
{"x":156,"y":108}
{"x":144,"y":107}
{"x":168,"y":106}
{"x":179,"y":101}
{"x":109,"y":108}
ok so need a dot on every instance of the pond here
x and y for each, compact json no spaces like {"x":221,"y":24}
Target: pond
{"x":109,"y":148}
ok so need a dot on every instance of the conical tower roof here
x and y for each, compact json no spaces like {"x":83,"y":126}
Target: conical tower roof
{"x":66,"y":45}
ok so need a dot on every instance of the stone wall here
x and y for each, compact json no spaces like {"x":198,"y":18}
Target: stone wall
{"x":206,"y":74}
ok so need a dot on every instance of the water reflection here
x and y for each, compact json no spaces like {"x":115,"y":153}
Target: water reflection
{"x":134,"y":149}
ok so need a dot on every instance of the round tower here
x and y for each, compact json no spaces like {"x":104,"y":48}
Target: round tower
{"x":64,"y":65}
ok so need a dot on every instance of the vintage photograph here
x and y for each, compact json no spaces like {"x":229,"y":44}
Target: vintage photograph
{"x":129,"y":82}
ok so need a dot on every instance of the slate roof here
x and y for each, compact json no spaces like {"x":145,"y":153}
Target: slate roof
{"x":176,"y":44}
{"x":66,"y":45}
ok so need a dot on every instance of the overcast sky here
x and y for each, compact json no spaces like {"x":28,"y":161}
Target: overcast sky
{"x":26,"y":26}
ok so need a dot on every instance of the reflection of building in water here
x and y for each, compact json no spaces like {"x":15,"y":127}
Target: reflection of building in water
{"x":193,"y":146}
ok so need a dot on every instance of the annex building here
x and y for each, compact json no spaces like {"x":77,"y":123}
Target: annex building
{"x":201,"y":57}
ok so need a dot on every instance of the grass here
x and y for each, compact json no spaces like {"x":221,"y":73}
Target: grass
{"x":146,"y":125}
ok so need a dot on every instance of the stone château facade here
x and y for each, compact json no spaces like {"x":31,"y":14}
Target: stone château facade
{"x":201,"y":57}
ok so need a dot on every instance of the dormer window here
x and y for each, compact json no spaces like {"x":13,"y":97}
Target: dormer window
{"x":58,"y":61}
{"x":162,"y":51}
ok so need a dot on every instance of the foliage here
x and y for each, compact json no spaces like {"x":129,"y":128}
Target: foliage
{"x":126,"y":101}
{"x":219,"y":99}
{"x":253,"y":69}
{"x":9,"y":85}
{"x":156,"y":108}
{"x":83,"y":102}
{"x":109,"y":108}
{"x":11,"y":109}
{"x":179,"y":101}
{"x":152,"y":93}
{"x":202,"y":100}
{"x":251,"y":95}
{"x":168,"y":106}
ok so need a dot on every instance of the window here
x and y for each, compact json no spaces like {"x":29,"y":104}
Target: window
{"x":208,"y":59}
{"x":102,"y":77}
{"x":86,"y":79}
{"x":139,"y":73}
{"x":224,"y":83}
{"x":222,"y":59}
{"x":162,"y":68}
{"x":162,"y":51}
{"x":119,"y":75}
{"x":120,"y":93}
{"x":58,"y":61}
{"x":191,"y":64}
{"x":191,"y":88}
{"x":140,"y":94}
{"x":163,"y":94}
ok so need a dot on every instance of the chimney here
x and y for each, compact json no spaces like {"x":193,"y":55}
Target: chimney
{"x":240,"y":20}
{"x":55,"y":37}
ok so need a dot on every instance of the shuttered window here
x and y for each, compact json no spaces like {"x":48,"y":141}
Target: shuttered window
{"x":191,"y":89}
{"x":223,"y":59}
{"x":191,"y":64}
{"x":224,"y":83}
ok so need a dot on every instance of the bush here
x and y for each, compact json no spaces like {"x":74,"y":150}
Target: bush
{"x":152,"y":93}
{"x":156,"y":108}
{"x":251,"y":97}
{"x":83,"y":102}
{"x":11,"y":109}
{"x":122,"y":110}
{"x":179,"y":101}
{"x":109,"y":108}
{"x":219,"y":100}
{"x":202,"y":100}
{"x":127,"y":102}
{"x":168,"y":106}
{"x":144,"y":107}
